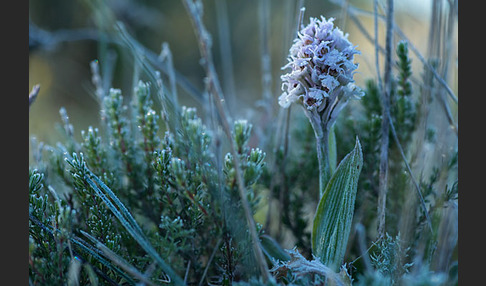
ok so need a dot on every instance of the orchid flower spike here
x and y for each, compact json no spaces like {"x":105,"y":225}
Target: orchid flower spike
{"x":321,"y":70}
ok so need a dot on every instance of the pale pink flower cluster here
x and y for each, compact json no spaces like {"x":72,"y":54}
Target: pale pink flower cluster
{"x":322,"y":68}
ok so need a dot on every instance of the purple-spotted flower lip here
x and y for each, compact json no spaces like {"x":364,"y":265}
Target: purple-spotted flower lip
{"x":321,"y":67}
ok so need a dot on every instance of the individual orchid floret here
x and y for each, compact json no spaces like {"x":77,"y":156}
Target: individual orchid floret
{"x":321,"y":69}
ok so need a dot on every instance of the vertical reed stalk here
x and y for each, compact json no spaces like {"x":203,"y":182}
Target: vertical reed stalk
{"x":385,"y":127}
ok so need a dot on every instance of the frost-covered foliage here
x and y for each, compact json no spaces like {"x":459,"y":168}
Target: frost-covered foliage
{"x":163,"y":194}
{"x":185,"y":215}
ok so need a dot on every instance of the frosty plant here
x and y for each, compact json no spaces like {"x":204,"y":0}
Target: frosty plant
{"x":321,"y":80}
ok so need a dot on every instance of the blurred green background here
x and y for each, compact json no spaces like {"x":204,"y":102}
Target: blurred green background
{"x":60,"y":63}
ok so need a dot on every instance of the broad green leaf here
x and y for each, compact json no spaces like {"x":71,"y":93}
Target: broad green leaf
{"x":334,"y":214}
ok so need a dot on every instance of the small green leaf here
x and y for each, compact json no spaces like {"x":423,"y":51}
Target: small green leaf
{"x":334,"y":215}
{"x":272,"y":249}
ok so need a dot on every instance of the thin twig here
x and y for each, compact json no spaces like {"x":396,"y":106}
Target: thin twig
{"x":364,"y":30}
{"x":118,"y":260}
{"x":284,"y":140}
{"x":409,"y":170}
{"x":194,"y":11}
{"x":377,"y":46}
{"x":360,"y":230}
{"x":385,"y":124}
{"x":300,"y":19}
{"x":166,"y":57}
{"x":281,"y":141}
{"x":448,"y":113}
{"x":226,"y":52}
{"x":187,"y":271}
{"x":264,"y":17}
{"x":283,"y":192}
{"x":209,"y":262}
{"x":445,"y":67}
{"x":96,"y":80}
{"x":344,"y":15}
{"x":169,"y":106}
{"x":33,"y":94}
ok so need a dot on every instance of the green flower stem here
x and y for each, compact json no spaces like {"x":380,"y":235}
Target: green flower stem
{"x":322,"y":144}
{"x":332,"y":150}
{"x":322,"y":131}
